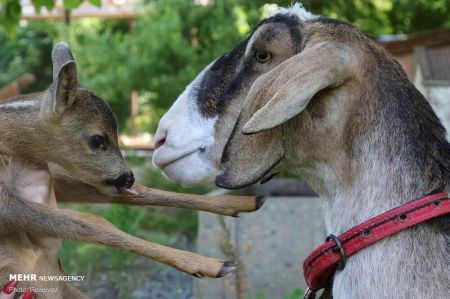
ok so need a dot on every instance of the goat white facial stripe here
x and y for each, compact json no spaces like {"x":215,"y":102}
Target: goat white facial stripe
{"x":19,"y":105}
{"x":249,"y":45}
{"x":298,"y":10}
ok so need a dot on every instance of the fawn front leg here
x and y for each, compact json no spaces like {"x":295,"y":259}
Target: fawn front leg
{"x":68,"y":189}
{"x":71,"y":225}
{"x":229,"y":205}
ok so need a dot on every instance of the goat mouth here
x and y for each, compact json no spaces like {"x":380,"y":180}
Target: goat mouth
{"x":164,"y":164}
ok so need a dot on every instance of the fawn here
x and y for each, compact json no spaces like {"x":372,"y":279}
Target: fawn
{"x":61,"y":144}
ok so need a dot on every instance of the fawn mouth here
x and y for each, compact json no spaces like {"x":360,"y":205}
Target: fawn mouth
{"x":122,"y":185}
{"x":127,"y":191}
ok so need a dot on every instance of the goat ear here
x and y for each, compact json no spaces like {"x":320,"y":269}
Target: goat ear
{"x":62,"y":93}
{"x":248,"y":158}
{"x":287,"y":89}
{"x":274,"y":98}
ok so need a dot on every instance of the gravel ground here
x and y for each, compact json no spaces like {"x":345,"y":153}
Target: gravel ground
{"x":146,"y":279}
{"x":167,"y":284}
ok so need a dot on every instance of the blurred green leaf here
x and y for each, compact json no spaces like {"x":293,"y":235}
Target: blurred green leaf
{"x":28,"y":52}
{"x":10,"y":11}
{"x":38,"y":4}
{"x":295,"y":294}
{"x":260,"y":296}
{"x":97,"y":3}
{"x":372,"y":16}
{"x":71,"y":4}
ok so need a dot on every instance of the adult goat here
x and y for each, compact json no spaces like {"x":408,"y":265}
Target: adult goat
{"x":317,"y":97}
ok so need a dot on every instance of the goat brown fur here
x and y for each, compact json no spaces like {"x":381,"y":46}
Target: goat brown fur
{"x":316,"y":97}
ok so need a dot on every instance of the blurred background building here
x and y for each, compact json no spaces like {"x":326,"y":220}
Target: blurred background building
{"x":425,"y":57}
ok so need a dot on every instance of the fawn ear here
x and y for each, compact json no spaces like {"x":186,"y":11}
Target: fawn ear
{"x":62,"y":92}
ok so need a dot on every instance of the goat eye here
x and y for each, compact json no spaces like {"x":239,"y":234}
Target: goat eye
{"x":98,"y":142}
{"x":262,"y":57}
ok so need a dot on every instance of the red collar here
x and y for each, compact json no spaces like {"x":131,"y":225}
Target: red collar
{"x":320,"y":266}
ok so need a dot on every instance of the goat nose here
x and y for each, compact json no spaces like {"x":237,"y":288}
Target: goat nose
{"x":160,"y":139}
{"x":125,"y":180}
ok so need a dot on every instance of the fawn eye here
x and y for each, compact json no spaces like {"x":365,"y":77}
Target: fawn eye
{"x":262,"y":57}
{"x":98,"y":142}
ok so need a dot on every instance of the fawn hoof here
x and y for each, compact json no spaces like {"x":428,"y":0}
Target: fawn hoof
{"x":198,"y":275}
{"x":227,"y":268}
{"x":260,"y":200}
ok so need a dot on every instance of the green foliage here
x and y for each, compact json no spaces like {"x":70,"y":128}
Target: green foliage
{"x":70,"y":4}
{"x":183,"y":38}
{"x":28,"y":52}
{"x":48,"y":4}
{"x":10,"y":11}
{"x":373,"y":16}
{"x":174,"y":39}
{"x":389,"y":17}
{"x":378,"y":16}
{"x":294,"y":294}
{"x":102,"y":52}
{"x":97,"y":3}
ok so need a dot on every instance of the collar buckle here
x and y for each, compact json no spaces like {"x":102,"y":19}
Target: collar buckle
{"x":340,"y":249}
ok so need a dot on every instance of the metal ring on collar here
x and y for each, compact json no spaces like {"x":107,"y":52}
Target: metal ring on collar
{"x":343,"y":261}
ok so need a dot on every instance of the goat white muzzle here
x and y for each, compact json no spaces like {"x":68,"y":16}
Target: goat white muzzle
{"x":183,"y":142}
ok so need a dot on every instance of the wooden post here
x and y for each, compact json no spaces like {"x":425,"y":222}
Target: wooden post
{"x":134,"y":111}
{"x":66,"y":16}
{"x":134,"y":93}
{"x":16,"y":87}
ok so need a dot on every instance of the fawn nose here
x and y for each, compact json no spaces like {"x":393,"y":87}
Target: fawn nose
{"x":125,"y":180}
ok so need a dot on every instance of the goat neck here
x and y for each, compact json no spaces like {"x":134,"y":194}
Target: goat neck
{"x":383,"y":180}
{"x":389,"y":149}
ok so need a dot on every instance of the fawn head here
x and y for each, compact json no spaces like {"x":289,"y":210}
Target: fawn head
{"x":81,"y":130}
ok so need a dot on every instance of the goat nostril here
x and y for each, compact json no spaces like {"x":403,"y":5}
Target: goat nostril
{"x":160,"y":142}
{"x":160,"y":137}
